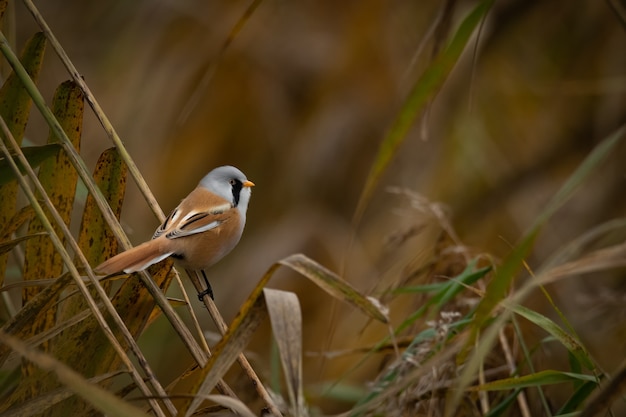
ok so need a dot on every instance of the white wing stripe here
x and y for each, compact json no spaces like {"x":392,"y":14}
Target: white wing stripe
{"x":182,"y":233}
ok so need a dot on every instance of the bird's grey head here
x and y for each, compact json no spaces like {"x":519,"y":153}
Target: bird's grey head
{"x":230,"y":183}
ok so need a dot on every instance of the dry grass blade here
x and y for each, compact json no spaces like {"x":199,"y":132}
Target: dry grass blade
{"x":286,"y":319}
{"x":335,"y":286}
{"x":99,"y":398}
{"x":227,"y":350}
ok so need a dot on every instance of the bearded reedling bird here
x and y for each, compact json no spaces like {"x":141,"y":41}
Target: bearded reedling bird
{"x":204,"y":228}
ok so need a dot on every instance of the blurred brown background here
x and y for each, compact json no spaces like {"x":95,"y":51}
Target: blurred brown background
{"x":300,"y":102}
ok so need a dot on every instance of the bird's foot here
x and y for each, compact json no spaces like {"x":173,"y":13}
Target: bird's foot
{"x":208,"y":291}
{"x":204,"y":293}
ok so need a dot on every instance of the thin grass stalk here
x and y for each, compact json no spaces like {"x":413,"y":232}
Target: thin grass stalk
{"x":194,"y":348}
{"x":65,"y":255}
{"x":194,"y":318}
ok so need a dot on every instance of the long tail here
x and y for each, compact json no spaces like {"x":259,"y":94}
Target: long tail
{"x":135,"y":259}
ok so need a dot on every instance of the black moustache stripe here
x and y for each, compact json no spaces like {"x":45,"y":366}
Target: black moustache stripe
{"x":237,"y":186}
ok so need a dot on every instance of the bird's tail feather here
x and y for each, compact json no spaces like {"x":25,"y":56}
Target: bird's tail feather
{"x":135,"y":259}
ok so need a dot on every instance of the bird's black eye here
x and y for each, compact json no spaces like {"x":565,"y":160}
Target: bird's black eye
{"x":233,"y":182}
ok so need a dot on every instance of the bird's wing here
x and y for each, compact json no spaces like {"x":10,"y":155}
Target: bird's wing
{"x":180,"y":223}
{"x":167,"y":223}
